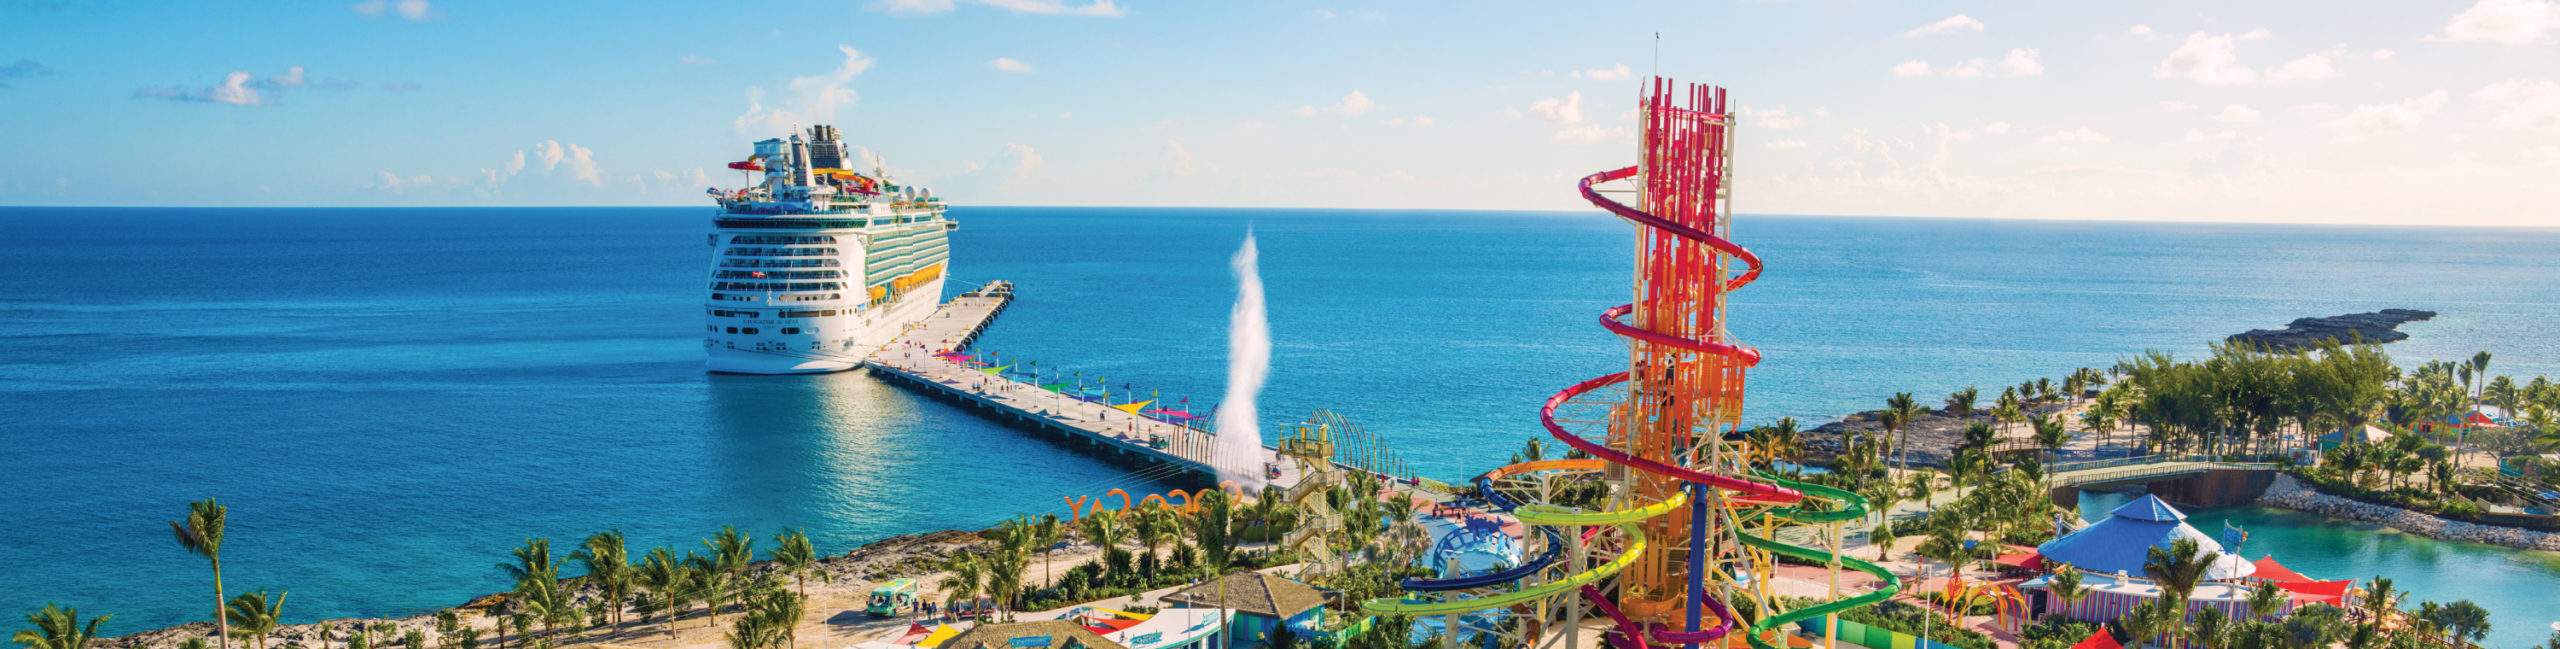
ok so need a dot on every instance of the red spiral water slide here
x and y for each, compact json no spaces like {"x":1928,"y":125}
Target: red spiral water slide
{"x":1687,"y":375}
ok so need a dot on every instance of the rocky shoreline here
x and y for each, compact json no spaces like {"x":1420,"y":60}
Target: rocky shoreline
{"x":2288,"y":493}
{"x":896,"y":556}
{"x":2305,"y":333}
{"x":1930,"y":438}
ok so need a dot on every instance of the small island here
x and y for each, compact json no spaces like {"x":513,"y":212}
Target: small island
{"x":2304,"y":333}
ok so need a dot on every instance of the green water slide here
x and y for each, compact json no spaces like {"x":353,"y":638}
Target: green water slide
{"x":1853,"y":507}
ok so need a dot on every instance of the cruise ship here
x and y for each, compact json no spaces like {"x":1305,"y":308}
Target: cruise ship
{"x":815,"y":266}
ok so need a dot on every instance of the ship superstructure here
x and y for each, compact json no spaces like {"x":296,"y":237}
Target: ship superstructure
{"x":816,"y":266}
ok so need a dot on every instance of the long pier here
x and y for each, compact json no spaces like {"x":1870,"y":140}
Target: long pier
{"x":915,"y":359}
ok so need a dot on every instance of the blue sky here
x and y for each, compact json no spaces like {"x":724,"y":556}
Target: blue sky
{"x":2406,"y":111}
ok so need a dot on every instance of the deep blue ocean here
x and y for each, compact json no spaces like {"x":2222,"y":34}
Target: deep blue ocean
{"x":390,"y":399}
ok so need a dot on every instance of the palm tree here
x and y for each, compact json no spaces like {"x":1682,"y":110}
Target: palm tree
{"x":2211,"y":628}
{"x":963,"y":579}
{"x":780,"y":611}
{"x":201,"y":534}
{"x":1883,"y":538}
{"x":2149,"y":620}
{"x":608,"y":564}
{"x":1103,"y":531}
{"x":2265,"y":600}
{"x":2180,"y":568}
{"x":1004,"y":578}
{"x":1154,"y":526}
{"x":253,"y":617}
{"x":1265,"y":510}
{"x":58,"y":628}
{"x":711,"y":583}
{"x":2101,"y":415}
{"x":1049,"y":531}
{"x":2051,"y":435}
{"x":1960,"y":402}
{"x":1788,"y":438}
{"x":796,"y":557}
{"x":533,"y":562}
{"x":2066,"y":586}
{"x":1902,"y":409}
{"x":2462,"y":619}
{"x":1946,"y":544}
{"x":731,"y":551}
{"x":2380,"y":599}
{"x":1215,"y":527}
{"x":665,"y":576}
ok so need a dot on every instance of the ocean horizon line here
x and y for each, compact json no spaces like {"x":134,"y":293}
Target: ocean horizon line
{"x":1240,"y":208}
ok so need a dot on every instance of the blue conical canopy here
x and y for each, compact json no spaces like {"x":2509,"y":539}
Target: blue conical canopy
{"x":2149,"y":508}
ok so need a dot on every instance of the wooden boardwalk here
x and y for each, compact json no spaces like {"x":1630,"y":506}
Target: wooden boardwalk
{"x":913,"y":359}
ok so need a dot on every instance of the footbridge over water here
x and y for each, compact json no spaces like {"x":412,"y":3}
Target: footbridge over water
{"x":2198,"y":480}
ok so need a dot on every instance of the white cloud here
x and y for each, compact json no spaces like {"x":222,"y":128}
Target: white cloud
{"x":406,"y":9}
{"x":913,"y":6}
{"x":1996,"y":128}
{"x":1009,"y":65}
{"x":2019,"y":62}
{"x":1770,"y":118}
{"x":2236,"y":114}
{"x":1955,"y":23}
{"x":2175,"y":106}
{"x":2504,"y":22}
{"x":579,"y":161}
{"x":1100,"y":8}
{"x":2365,"y":122}
{"x":2141,"y":31}
{"x":1782,"y":145}
{"x":550,"y":153}
{"x":1178,"y":157}
{"x":2523,"y":104}
{"x":1604,"y":74}
{"x":1417,"y":121}
{"x":2384,"y":54}
{"x":2022,"y":62}
{"x":2311,"y":67}
{"x":1026,"y":160}
{"x":1588,"y":133}
{"x":2077,"y":136}
{"x":2198,"y":136}
{"x":694,"y":59}
{"x":1355,"y":103}
{"x":236,"y":89}
{"x":2209,"y":59}
{"x":1566,"y":110}
{"x":813,"y":99}
{"x":582,"y":165}
{"x":1327,"y":14}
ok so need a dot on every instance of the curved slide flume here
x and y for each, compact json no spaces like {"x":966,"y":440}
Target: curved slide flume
{"x":1782,"y":498}
{"x":1853,"y":507}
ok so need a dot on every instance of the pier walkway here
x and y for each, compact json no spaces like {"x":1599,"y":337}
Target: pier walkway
{"x":2143,"y":468}
{"x":914,"y":359}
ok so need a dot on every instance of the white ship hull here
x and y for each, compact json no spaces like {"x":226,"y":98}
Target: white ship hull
{"x":816,"y":268}
{"x":826,"y":352}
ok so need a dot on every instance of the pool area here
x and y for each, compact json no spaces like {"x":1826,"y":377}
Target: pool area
{"x":2518,"y":587}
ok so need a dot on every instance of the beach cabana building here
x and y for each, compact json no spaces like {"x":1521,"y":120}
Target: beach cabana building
{"x":2110,"y":554}
{"x":1039,"y":634}
{"x":1261,"y":602}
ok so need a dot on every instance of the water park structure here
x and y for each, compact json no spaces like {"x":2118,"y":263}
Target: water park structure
{"x":1663,"y":527}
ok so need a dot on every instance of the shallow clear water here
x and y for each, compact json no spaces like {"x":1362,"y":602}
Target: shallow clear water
{"x":2521,"y":590}
{"x":390,"y":399}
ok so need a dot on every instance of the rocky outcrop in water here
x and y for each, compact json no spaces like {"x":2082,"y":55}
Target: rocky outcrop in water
{"x":2288,"y":493}
{"x":2304,"y":333}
